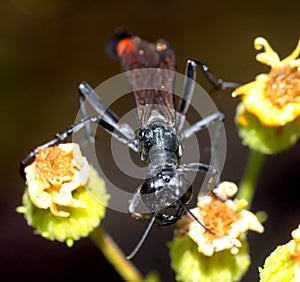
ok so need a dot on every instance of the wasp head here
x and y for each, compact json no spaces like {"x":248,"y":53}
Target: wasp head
{"x":164,"y":188}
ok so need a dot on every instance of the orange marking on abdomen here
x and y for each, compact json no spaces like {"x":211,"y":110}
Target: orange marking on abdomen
{"x":126,"y":44}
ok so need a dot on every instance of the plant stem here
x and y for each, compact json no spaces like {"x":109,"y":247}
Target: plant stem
{"x":115,"y":256}
{"x":248,"y":183}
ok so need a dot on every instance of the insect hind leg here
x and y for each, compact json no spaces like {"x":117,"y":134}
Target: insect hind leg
{"x":218,"y":135}
{"x":114,"y":131}
{"x":202,"y":124}
{"x":200,"y":167}
{"x":215,"y":82}
{"x":58,"y":138}
{"x":189,"y":86}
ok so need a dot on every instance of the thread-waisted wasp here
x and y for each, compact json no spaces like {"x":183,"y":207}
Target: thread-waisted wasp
{"x":150,"y":70}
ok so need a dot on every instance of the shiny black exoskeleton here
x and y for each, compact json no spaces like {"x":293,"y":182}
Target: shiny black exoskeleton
{"x":160,"y":149}
{"x":159,"y":146}
{"x":150,"y":70}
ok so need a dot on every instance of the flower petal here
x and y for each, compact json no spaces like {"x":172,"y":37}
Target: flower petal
{"x":269,"y":57}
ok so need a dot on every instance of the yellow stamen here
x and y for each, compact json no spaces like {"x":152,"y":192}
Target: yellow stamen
{"x":225,"y":218}
{"x":54,"y":166}
{"x":218,"y":217}
{"x":53,"y":176}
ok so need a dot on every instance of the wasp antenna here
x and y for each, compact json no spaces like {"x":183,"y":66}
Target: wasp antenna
{"x":194,"y":217}
{"x":141,"y":241}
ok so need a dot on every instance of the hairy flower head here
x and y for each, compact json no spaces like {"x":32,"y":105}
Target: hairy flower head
{"x":283,"y":264}
{"x":218,"y":255}
{"x":58,"y":200}
{"x":54,"y":175}
{"x":225,"y":218}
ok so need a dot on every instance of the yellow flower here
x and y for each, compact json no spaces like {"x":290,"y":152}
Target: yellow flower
{"x":65,"y":198}
{"x":225,"y":218}
{"x":54,"y":175}
{"x":284,"y":263}
{"x":221,"y":254}
{"x":274,"y":97}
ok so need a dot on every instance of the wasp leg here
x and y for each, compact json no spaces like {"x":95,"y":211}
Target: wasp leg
{"x":202,"y":124}
{"x":215,"y":118}
{"x":88,"y":93}
{"x":133,"y":204}
{"x":106,"y":118}
{"x":114,"y":131}
{"x":216,"y":82}
{"x":58,"y":137}
{"x":187,"y":92}
{"x":84,"y":114}
{"x":199,"y":167}
{"x":189,"y":86}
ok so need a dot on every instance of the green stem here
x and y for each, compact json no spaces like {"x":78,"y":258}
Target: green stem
{"x":248,"y":183}
{"x":115,"y":256}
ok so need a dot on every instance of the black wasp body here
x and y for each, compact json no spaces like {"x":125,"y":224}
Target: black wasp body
{"x":161,"y":150}
{"x":150,"y":71}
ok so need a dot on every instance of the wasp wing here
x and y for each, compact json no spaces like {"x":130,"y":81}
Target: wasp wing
{"x":150,"y":70}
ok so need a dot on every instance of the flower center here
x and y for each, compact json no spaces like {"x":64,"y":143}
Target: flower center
{"x":283,"y":86}
{"x":218,"y":217}
{"x":54,"y":165}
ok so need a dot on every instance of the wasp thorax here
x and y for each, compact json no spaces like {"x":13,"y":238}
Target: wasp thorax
{"x":159,"y":145}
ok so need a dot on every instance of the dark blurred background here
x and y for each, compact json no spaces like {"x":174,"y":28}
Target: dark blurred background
{"x":48,"y":47}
